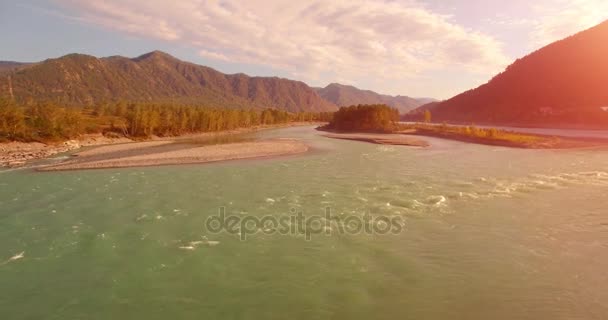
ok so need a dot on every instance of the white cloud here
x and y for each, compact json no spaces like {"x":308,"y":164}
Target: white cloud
{"x":561,"y":18}
{"x":213,"y":55}
{"x":346,"y":39}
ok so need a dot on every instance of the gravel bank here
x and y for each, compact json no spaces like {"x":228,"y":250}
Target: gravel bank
{"x":378,"y":138}
{"x":157,"y":153}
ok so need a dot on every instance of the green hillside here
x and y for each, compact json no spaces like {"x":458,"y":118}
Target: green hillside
{"x":81,"y":80}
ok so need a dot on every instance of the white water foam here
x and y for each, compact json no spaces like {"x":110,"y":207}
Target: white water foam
{"x":436,"y":200}
{"x":16,"y":257}
{"x":193,"y":245}
{"x":535,"y":182}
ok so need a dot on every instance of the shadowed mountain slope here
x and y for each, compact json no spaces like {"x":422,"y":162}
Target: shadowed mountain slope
{"x":562,"y":84}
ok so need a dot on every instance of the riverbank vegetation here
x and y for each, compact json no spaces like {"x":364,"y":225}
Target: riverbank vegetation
{"x":47,"y":122}
{"x":365,"y":118}
{"x":471,"y":132}
{"x":383,"y":119}
{"x":492,"y":136}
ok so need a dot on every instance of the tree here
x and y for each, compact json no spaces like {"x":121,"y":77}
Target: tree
{"x":427,"y":116}
{"x":267,"y":117}
{"x":44,"y":120}
{"x":370,"y":118}
{"x":12,"y":121}
{"x":47,"y":121}
{"x":492,"y":133}
{"x":70,"y":124}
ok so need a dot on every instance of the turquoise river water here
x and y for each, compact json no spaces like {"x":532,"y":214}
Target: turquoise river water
{"x":484,"y":233}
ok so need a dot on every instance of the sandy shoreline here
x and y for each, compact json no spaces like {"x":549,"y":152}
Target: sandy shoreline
{"x":156,"y":153}
{"x":17,"y":154}
{"x":379,"y":138}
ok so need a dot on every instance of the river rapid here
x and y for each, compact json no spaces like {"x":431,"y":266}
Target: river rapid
{"x":481,"y":232}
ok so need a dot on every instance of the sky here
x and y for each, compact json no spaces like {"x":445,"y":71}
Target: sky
{"x":419,"y":48}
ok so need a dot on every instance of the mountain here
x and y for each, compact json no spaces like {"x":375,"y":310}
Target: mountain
{"x":10,"y":65}
{"x":343,"y":95}
{"x":79,"y":79}
{"x":426,"y":100}
{"x":562,"y":84}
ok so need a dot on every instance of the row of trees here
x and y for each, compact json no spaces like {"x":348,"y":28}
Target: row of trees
{"x":417,"y":115}
{"x":38,"y":122}
{"x":366,"y":118}
{"x":168,"y":120}
{"x":47,"y":121}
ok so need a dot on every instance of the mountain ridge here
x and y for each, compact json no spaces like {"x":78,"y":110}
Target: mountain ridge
{"x":80,"y":79}
{"x":346,"y":95}
{"x":563,"y":83}
{"x":10,"y":65}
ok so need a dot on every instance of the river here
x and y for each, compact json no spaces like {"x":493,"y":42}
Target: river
{"x":483,"y":233}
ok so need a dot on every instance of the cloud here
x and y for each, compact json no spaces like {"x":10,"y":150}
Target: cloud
{"x":346,"y":39}
{"x":561,"y":18}
{"x":213,"y":55}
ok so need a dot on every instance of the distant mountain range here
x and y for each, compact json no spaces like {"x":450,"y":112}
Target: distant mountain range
{"x":10,"y":65}
{"x":562,"y":84}
{"x":343,"y":95}
{"x":78,"y":79}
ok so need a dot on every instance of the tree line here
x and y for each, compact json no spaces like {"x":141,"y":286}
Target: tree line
{"x":365,"y":118}
{"x":50,"y":122}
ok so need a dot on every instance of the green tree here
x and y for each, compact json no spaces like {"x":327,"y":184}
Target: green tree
{"x":371,"y":118}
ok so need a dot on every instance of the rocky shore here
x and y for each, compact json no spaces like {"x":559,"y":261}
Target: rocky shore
{"x":16,"y":154}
